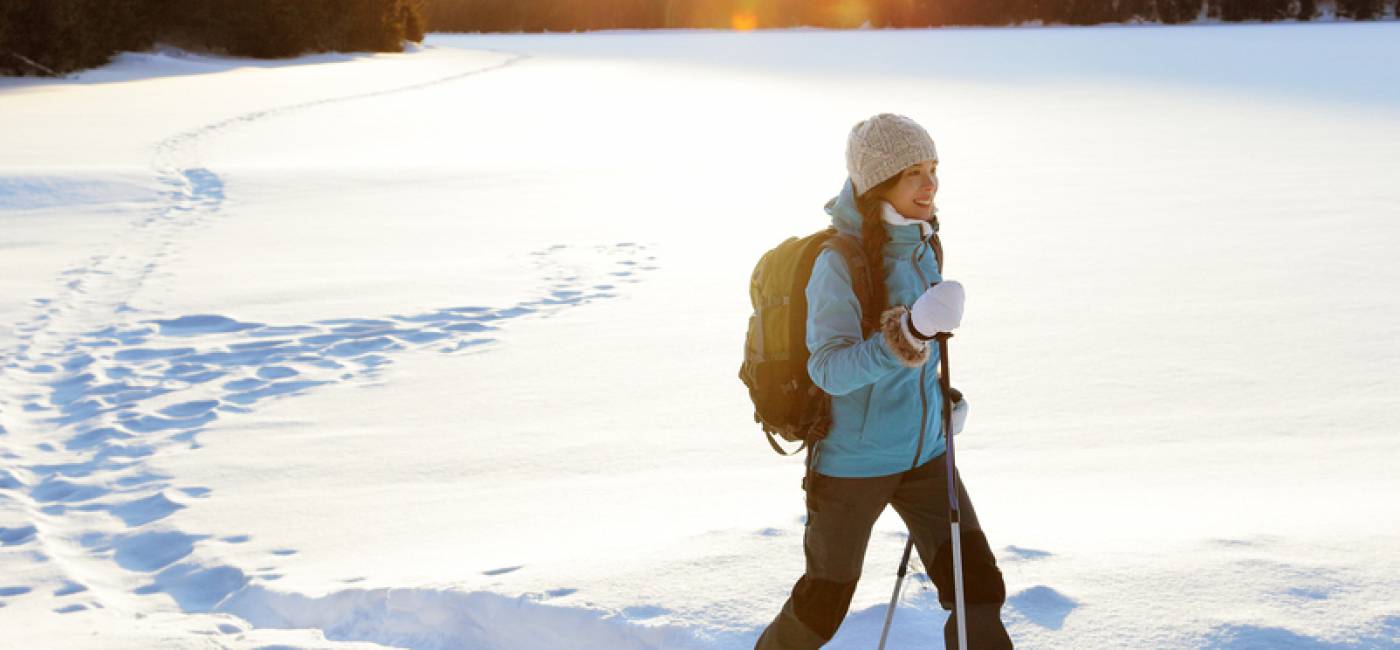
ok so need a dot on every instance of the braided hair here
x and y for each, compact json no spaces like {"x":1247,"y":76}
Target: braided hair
{"x":873,"y":236}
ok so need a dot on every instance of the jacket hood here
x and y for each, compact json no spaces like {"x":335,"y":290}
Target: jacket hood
{"x":842,"y":208}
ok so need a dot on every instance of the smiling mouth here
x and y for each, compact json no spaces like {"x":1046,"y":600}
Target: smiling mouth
{"x":923,"y":202}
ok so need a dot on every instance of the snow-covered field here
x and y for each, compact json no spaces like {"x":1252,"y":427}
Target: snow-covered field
{"x":439,"y":349}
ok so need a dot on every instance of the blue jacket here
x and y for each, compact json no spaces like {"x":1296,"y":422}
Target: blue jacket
{"x":877,"y":401}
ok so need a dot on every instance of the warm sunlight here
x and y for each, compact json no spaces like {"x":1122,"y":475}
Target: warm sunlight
{"x":850,"y":13}
{"x":743,"y":21}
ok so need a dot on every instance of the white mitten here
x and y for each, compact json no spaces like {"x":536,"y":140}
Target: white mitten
{"x":940,"y":309}
{"x":959,"y":415}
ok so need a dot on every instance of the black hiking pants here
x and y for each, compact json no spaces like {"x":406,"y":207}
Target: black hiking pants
{"x":840,"y":514}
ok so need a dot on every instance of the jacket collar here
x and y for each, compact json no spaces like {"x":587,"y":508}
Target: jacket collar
{"x":897,"y":224}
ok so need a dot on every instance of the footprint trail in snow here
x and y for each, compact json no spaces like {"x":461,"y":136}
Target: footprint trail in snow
{"x":90,"y":388}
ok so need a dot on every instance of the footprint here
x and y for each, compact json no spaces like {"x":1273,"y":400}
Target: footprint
{"x":17,"y":536}
{"x":151,"y":551}
{"x":7,"y":481}
{"x":421,"y":337}
{"x":273,"y":390}
{"x":202,"y":324}
{"x":151,"y":354}
{"x":144,"y":511}
{"x":59,"y":490}
{"x":153,"y":424}
{"x":1020,"y":553}
{"x":190,"y":409}
{"x":357,"y":347}
{"x":69,"y":587}
{"x":1308,"y":593}
{"x":469,"y":327}
{"x":276,"y":373}
{"x":240,"y":385}
{"x":194,"y":587}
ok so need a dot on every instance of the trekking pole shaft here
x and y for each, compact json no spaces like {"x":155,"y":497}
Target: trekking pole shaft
{"x":954,"y":512}
{"x":958,"y":588}
{"x":894,"y":598}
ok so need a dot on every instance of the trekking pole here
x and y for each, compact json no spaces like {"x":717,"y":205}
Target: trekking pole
{"x":894,"y":598}
{"x":946,"y":386}
{"x":953,"y":510}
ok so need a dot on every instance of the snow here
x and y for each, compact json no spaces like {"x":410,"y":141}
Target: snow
{"x":438,"y":349}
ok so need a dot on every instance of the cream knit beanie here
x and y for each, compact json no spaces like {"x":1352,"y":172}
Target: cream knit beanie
{"x":881,"y":146}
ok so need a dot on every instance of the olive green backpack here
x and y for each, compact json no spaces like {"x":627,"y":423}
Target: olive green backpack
{"x":785,"y":400}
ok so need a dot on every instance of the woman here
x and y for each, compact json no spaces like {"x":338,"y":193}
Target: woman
{"x":886,"y":444}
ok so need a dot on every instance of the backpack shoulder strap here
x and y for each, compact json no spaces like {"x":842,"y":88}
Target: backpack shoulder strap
{"x":937,"y":246}
{"x":850,"y":249}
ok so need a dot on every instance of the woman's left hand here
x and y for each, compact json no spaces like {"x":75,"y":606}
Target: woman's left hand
{"x":959,"y":415}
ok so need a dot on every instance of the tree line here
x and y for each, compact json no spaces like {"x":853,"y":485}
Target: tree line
{"x":58,"y":36}
{"x":585,"y":15}
{"x":52,"y":37}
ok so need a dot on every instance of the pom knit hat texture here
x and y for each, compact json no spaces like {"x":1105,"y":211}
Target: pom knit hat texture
{"x":881,"y":146}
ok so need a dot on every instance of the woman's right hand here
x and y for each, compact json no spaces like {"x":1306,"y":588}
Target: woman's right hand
{"x":940,"y":309}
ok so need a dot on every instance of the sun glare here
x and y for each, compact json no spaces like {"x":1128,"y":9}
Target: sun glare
{"x":744,"y":21}
{"x":851,"y":13}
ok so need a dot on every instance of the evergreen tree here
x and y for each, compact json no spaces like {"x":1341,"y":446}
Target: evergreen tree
{"x":1178,"y":11}
{"x":54,"y":36}
{"x":411,"y":15}
{"x":1131,"y":10}
{"x":1359,"y":9}
{"x":1267,"y":10}
{"x":6,"y":58}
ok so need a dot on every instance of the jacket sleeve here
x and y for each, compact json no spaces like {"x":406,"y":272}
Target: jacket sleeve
{"x":841,"y":361}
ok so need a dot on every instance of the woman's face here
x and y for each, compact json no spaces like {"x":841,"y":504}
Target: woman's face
{"x":913,"y":194}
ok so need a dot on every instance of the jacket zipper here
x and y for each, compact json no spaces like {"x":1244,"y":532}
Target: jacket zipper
{"x":923,"y":418}
{"x":923,"y":393}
